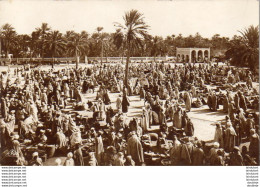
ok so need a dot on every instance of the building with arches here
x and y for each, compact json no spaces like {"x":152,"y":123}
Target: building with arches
{"x":192,"y":54}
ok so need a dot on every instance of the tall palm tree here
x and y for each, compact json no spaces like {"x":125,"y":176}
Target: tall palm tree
{"x":43,"y":32}
{"x":35,"y":44}
{"x":133,"y":31}
{"x":244,"y":49}
{"x":8,"y":35}
{"x":251,"y":46}
{"x":77,"y":45}
{"x":100,"y":41}
{"x":55,"y":44}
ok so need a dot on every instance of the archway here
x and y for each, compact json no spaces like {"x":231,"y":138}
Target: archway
{"x":193,"y":56}
{"x":187,"y":59}
{"x":206,"y":55}
{"x":178,"y":57}
{"x":200,"y":56}
{"x":182,"y":58}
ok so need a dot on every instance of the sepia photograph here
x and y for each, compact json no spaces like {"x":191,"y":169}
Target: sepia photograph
{"x":129,"y":83}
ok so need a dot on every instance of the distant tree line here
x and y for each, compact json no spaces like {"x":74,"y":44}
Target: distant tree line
{"x":43,"y":42}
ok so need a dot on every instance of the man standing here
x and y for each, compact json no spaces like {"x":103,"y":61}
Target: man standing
{"x":99,"y":148}
{"x":135,"y":149}
{"x":125,"y":103}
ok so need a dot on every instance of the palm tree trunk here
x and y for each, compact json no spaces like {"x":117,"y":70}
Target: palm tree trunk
{"x":30,"y":55}
{"x":77,"y":63}
{"x":7,"y":50}
{"x":127,"y":66}
{"x":53,"y":54}
{"x":106,"y":56}
{"x":42,"y":53}
{"x":123,"y":55}
{"x":102,"y":53}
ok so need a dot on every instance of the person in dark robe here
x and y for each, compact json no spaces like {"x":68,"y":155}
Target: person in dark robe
{"x":238,"y":129}
{"x":125,"y":103}
{"x":78,"y":156}
{"x":247,"y":159}
{"x":214,"y":102}
{"x":219,"y":161}
{"x":236,"y":100}
{"x":4,"y":108}
{"x":210,"y":101}
{"x":242,"y":101}
{"x":20,"y":116}
{"x":106,"y":98}
{"x":236,"y":158}
{"x":184,"y":119}
{"x":84,"y":87}
{"x":225,"y":104}
{"x":142,"y":93}
{"x":189,"y":129}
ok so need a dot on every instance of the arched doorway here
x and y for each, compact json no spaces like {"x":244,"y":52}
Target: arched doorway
{"x":178,"y":57}
{"x":206,"y":55}
{"x":187,"y":59}
{"x":193,"y":56}
{"x":200,"y":56}
{"x":182,"y":58}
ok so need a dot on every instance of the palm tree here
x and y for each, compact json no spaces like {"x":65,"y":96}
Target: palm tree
{"x":101,"y":38}
{"x":133,"y":31}
{"x":243,"y":50}
{"x":23,"y":41}
{"x":77,"y":44}
{"x":55,"y":44}
{"x":8,"y":35}
{"x":35,"y":44}
{"x":156,"y":45}
{"x":251,"y":46}
{"x":118,"y":41}
{"x":43,"y":32}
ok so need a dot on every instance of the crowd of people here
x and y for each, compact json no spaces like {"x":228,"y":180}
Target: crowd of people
{"x":45,"y":114}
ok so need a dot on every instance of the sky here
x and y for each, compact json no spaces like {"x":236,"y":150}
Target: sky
{"x":165,"y":17}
